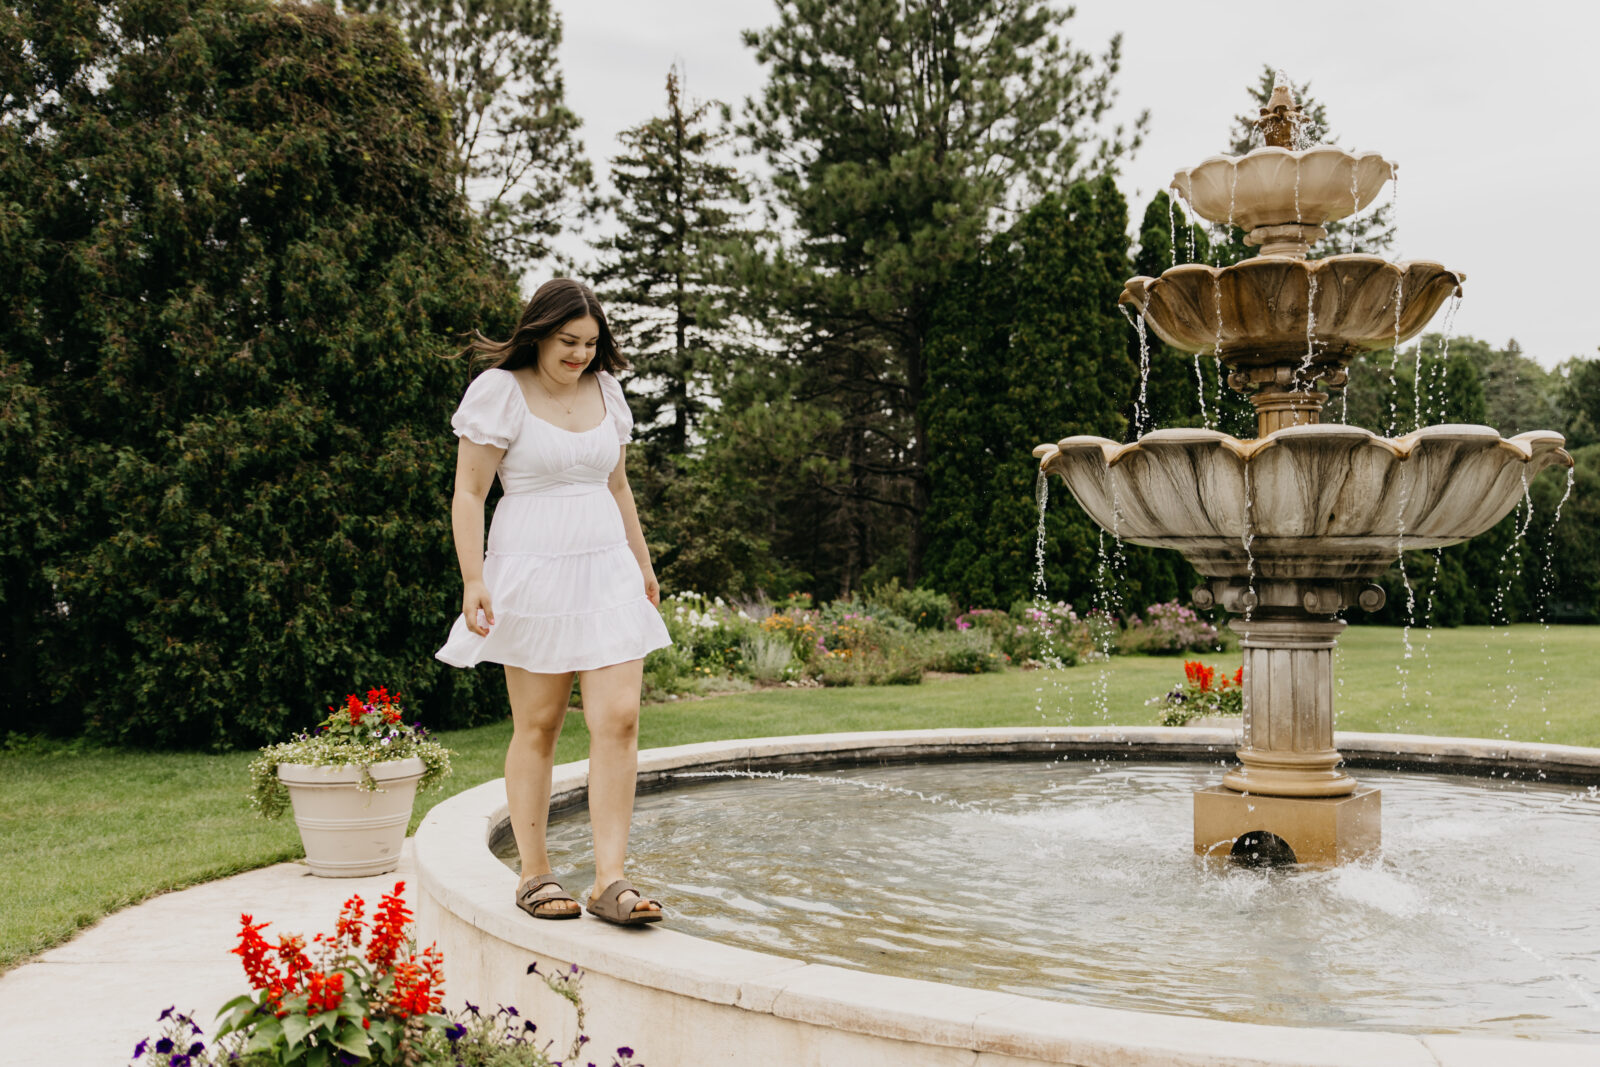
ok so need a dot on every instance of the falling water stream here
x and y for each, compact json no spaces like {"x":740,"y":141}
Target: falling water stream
{"x":1394,"y":359}
{"x":1172,"y":224}
{"x":1141,"y":406}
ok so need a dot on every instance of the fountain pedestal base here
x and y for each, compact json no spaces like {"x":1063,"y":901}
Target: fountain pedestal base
{"x":1321,"y":831}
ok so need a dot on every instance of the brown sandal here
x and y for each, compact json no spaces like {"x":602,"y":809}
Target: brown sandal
{"x":609,"y":906}
{"x":542,"y":890}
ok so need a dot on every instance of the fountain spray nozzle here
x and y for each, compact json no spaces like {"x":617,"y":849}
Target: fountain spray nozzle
{"x":1280,"y":119}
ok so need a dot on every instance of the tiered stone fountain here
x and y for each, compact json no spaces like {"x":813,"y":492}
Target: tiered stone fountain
{"x":1292,"y":527}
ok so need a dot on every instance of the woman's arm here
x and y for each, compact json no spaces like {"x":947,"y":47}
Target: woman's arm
{"x":475,"y":467}
{"x":620,"y":489}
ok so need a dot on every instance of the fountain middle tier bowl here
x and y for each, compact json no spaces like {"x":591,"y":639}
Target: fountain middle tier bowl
{"x":1272,"y":310}
{"x":1273,"y":186}
{"x":1321,"y":501}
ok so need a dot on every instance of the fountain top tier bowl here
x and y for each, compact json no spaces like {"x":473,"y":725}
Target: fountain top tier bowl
{"x":1274,"y":187}
{"x":1280,"y":195}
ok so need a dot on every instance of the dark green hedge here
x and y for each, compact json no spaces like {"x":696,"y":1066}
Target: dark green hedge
{"x":232,"y":252}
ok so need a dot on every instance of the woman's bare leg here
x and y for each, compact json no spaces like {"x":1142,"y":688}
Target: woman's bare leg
{"x":611,"y":708}
{"x":538,"y":707}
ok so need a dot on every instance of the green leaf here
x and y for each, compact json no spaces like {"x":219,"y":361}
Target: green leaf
{"x":295,"y":1027}
{"x":353,"y":1039}
{"x":266,"y":1037}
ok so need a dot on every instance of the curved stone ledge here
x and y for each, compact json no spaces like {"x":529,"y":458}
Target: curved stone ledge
{"x":677,"y":999}
{"x":1322,"y":501}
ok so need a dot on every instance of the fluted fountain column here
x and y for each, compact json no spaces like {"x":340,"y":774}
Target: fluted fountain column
{"x":1288,"y":789}
{"x":1288,"y":709}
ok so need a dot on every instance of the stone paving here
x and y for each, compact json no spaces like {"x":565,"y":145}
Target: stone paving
{"x":88,"y":1002}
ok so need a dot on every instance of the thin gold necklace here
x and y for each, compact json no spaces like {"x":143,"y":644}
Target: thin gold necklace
{"x":539,"y":377}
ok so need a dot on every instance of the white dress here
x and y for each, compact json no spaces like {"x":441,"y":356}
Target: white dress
{"x":566,"y":589}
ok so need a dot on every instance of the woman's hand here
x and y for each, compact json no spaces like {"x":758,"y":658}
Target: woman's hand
{"x":475,"y":598}
{"x":652,"y":588}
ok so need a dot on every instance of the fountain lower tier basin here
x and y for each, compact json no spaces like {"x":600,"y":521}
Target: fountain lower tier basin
{"x":1273,"y":310}
{"x":1070,"y":857}
{"x":1319,"y":501}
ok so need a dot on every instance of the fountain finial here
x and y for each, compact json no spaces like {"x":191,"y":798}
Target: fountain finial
{"x":1281,"y":118}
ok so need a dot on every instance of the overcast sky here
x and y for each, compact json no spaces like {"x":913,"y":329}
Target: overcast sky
{"x":1491,"y":110}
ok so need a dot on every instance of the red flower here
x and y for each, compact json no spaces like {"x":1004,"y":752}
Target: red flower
{"x":418,"y":986}
{"x":253,"y":952}
{"x":353,"y":704}
{"x":324,"y":992}
{"x":388,"y":928}
{"x":349,"y":928}
{"x":1199,"y":674}
{"x":1238,"y":676}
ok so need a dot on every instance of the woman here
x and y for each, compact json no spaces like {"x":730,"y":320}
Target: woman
{"x":567,"y":586}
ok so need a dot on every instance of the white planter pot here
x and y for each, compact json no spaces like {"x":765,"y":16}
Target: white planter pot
{"x":349,"y":833}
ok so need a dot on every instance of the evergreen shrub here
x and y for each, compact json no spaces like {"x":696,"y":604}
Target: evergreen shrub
{"x":232,"y":252}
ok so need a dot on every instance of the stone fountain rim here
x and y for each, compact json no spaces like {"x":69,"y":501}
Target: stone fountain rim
{"x":705,"y":981}
{"x":1524,"y":446}
{"x":1266,"y":151}
{"x":1140,"y":284}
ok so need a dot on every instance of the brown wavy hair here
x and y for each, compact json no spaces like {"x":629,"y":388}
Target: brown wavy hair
{"x":555,"y":303}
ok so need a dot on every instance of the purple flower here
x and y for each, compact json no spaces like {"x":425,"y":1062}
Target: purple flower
{"x":164,"y":1045}
{"x":197,"y":1048}
{"x":625,"y":1052}
{"x":167,"y":1014}
{"x":138,"y":1050}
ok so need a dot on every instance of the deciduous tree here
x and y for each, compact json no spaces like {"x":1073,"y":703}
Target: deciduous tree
{"x":524,"y":167}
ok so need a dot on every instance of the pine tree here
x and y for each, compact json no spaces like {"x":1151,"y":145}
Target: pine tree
{"x":896,"y":132}
{"x":523,"y":165}
{"x":670,"y":287}
{"x":665,"y":273}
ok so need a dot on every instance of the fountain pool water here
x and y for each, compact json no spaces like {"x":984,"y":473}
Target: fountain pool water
{"x":1050,"y":878}
{"x":1125,"y":950}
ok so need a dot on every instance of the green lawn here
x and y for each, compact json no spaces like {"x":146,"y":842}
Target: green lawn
{"x":88,"y":832}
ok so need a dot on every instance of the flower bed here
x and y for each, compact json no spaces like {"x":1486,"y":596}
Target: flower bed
{"x":893,"y":636}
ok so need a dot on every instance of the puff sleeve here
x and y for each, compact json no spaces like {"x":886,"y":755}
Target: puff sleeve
{"x":491,"y":411}
{"x":617,"y":407}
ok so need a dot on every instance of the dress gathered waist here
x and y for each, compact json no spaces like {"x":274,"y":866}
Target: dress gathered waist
{"x":560,"y":490}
